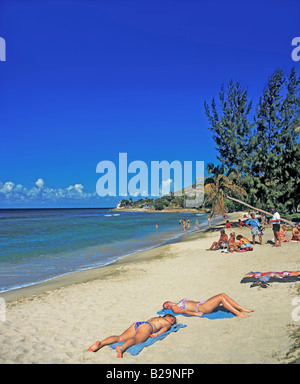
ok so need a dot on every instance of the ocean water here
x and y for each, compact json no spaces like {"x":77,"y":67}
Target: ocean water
{"x":39,"y":244}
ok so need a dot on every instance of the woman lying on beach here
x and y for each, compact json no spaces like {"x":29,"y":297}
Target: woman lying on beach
{"x":196,"y":308}
{"x":137,"y":333}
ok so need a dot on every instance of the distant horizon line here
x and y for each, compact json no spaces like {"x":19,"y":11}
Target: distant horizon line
{"x":59,"y":208}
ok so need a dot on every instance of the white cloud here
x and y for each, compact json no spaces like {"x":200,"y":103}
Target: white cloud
{"x":166,"y":185}
{"x":41,"y":193}
{"x":7,"y":187}
{"x":39,"y":183}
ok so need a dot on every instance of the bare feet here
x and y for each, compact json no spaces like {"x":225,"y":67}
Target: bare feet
{"x":120,"y":352}
{"x":242,"y":315}
{"x":95,"y":347}
{"x":247,"y":310}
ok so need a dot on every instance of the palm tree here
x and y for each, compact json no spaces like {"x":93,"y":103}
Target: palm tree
{"x":214,"y":171}
{"x":217,"y":192}
{"x":259,"y":209}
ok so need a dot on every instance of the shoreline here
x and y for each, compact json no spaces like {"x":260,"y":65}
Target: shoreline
{"x":62,"y":279}
{"x":60,"y":323}
{"x":86,"y":275}
{"x":79,"y":277}
{"x":153,"y":210}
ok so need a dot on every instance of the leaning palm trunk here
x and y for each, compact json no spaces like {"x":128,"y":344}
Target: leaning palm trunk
{"x":258,"y":209}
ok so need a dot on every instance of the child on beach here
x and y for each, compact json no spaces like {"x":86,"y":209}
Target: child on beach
{"x":137,"y":333}
{"x":283,"y":237}
{"x":196,"y":308}
{"x":227,"y":224}
{"x":232,"y":245}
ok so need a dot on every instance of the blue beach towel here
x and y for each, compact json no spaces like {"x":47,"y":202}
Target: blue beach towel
{"x":218,"y":313}
{"x":136,"y":349}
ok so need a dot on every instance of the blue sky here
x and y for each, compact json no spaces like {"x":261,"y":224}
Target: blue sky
{"x":86,"y":80}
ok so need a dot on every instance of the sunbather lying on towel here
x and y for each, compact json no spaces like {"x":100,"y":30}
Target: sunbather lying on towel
{"x":137,"y":333}
{"x":196,"y":308}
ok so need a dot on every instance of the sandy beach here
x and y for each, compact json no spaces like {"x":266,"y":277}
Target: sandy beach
{"x":56,"y":322}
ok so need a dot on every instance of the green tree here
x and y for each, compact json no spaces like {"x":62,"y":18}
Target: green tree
{"x":263,"y":153}
{"x":217,"y":192}
{"x":158,"y":204}
{"x":272,"y":163}
{"x":230,"y":125}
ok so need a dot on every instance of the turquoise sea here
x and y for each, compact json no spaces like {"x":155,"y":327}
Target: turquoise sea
{"x":39,"y":244}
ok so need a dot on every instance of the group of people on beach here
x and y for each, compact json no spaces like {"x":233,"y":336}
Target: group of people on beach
{"x":187,"y":224}
{"x":140,"y":331}
{"x":241,"y":243}
{"x":234,"y":243}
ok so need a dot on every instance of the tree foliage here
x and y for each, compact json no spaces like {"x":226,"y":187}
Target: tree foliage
{"x":265,"y":150}
{"x":230,"y":125}
{"x":216,"y":193}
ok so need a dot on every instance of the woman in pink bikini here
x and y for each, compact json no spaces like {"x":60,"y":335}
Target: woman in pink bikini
{"x":199,"y":308}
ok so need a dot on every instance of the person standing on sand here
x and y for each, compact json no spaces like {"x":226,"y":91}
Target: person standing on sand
{"x":184,"y":226}
{"x":276,"y":227}
{"x":208,"y":220}
{"x":199,"y":308}
{"x":254,"y":224}
{"x":137,"y":333}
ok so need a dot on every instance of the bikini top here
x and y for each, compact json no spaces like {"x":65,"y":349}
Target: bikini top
{"x":181,"y":303}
